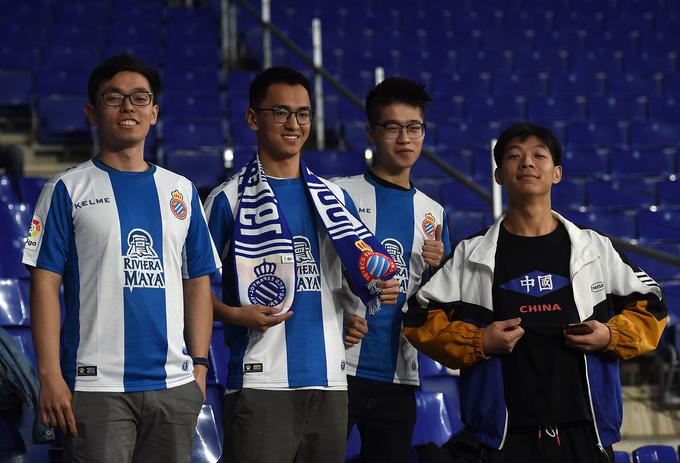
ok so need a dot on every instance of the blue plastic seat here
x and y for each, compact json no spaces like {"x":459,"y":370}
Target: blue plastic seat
{"x":656,"y":134}
{"x":15,"y":220}
{"x":241,"y":136}
{"x":472,"y":136}
{"x":428,"y":367}
{"x":7,"y":193}
{"x":641,"y":163}
{"x":479,"y":60}
{"x":459,"y":198}
{"x":663,"y":108}
{"x":192,"y":57}
{"x":569,"y":194}
{"x":62,"y":120}
{"x":669,"y":194}
{"x":205,"y":168}
{"x":180,"y":34}
{"x":630,"y":84}
{"x":577,"y":85}
{"x":335,"y":163}
{"x":353,"y":449}
{"x":196,"y":106}
{"x":621,"y":195}
{"x":354,"y":134}
{"x":503,"y":109}
{"x":542,"y":109}
{"x":649,"y":61}
{"x":17,"y":89}
{"x":602,"y":134}
{"x":546,"y":61}
{"x":448,"y":385}
{"x":591,"y":62}
{"x":612,"y":223}
{"x":659,"y":226}
{"x":22,"y":334}
{"x":149,"y":53}
{"x":586,"y":162}
{"x":191,"y":135}
{"x":525,"y":84}
{"x":13,"y":308}
{"x":192,"y":82}
{"x":463,"y":224}
{"x":60,"y":82}
{"x":432,"y":419}
{"x":655,"y":454}
{"x":617,"y":108}
{"x":621,"y":457}
{"x":31,"y":187}
{"x":426,"y":169}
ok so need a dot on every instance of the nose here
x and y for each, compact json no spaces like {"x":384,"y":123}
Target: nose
{"x":127,"y":103}
{"x":292,"y":121}
{"x":527,"y":161}
{"x":403,"y":135}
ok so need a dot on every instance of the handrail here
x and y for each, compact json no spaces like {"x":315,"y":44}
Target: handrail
{"x":453,"y":172}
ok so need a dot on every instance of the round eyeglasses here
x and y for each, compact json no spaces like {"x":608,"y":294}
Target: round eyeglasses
{"x":115,"y":99}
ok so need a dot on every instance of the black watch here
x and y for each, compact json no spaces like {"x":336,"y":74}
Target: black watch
{"x":201,"y":361}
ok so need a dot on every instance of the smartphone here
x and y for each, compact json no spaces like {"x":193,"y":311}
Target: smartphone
{"x":578,"y":328}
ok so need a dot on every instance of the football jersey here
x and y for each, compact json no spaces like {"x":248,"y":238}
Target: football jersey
{"x":123,"y":242}
{"x":305,"y":351}
{"x":402,"y":220}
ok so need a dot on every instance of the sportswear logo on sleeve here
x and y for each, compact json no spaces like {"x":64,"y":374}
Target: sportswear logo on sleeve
{"x":646,"y":279}
{"x":177,"y":205}
{"x":267,"y":289}
{"x":35,"y":232}
{"x":430,"y":226}
{"x":141,"y":266}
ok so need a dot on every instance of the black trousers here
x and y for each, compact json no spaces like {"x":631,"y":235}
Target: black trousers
{"x":385,"y":414}
{"x":567,"y":443}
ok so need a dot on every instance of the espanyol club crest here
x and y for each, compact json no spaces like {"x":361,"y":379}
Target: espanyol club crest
{"x":429,"y":226}
{"x":267,"y":289}
{"x":177,"y":206}
{"x":373,"y":265}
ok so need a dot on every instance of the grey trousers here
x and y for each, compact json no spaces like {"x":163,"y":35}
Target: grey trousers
{"x":123,"y":427}
{"x":293,"y":426}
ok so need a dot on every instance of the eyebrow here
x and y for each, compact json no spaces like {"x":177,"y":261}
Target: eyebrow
{"x":409,"y":122}
{"x":283,"y":106}
{"x":118,"y":90}
{"x":517,"y":146}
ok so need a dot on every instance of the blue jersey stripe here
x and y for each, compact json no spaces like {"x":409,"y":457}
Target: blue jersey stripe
{"x":380,"y":346}
{"x":146,"y":344}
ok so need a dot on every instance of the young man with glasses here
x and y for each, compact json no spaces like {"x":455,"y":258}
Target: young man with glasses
{"x":287,"y":390}
{"x":382,"y":366}
{"x":131,"y":245}
{"x":537,"y":312}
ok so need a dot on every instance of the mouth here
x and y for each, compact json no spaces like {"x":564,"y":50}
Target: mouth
{"x":291,"y":137}
{"x":128,"y":123}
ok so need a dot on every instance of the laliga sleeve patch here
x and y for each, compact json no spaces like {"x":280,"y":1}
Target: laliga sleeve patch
{"x":35,"y":233}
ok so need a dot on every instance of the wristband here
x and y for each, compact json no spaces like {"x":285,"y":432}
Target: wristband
{"x":201,"y":361}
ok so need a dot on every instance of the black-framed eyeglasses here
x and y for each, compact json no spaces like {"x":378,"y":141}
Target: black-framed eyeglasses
{"x":281,"y":115}
{"x":115,"y":99}
{"x":393,"y":129}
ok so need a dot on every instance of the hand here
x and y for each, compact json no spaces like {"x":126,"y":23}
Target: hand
{"x":55,"y":405}
{"x":356,"y":328}
{"x":200,"y":372}
{"x":259,"y":317}
{"x":500,"y":337}
{"x":597,"y":340}
{"x":390,"y":291}
{"x":433,"y":250}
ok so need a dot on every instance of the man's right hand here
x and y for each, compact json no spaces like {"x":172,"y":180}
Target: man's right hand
{"x":55,"y":406}
{"x":259,"y":317}
{"x":500,"y":337}
{"x":356,"y":328}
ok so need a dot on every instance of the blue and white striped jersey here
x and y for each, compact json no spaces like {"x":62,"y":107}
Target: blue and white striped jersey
{"x":402,"y":220}
{"x":305,"y":351}
{"x":123,"y":242}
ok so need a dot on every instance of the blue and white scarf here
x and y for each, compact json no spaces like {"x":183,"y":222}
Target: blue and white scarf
{"x":263,"y":245}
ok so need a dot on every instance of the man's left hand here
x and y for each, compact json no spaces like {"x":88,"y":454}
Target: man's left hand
{"x":595,"y":341}
{"x":390,"y":291}
{"x":200,"y":372}
{"x":433,"y":250}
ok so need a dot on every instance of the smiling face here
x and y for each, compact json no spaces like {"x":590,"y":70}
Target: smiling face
{"x":395,"y":155}
{"x":280,"y":140}
{"x":527,"y":169}
{"x":125,"y":126}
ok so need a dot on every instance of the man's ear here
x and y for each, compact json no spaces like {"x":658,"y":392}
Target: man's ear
{"x":154,"y":114}
{"x":497,"y":176}
{"x":557,"y":175}
{"x":89,"y":115}
{"x":251,"y":120}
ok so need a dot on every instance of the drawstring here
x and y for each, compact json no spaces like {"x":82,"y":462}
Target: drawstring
{"x":551,"y":431}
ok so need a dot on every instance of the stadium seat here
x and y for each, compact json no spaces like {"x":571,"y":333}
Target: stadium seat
{"x":429,"y":368}
{"x":654,"y":135}
{"x":589,"y":134}
{"x":545,"y":61}
{"x":426,"y":169}
{"x":591,"y":62}
{"x":192,"y":135}
{"x":81,"y":56}
{"x":576,"y":85}
{"x":61,"y":82}
{"x":7,"y":193}
{"x":520,"y":84}
{"x":192,"y":57}
{"x":207,"y":442}
{"x":354,"y":134}
{"x":621,"y":457}
{"x":640,"y":194}
{"x":456,"y":197}
{"x":659,"y":226}
{"x":626,"y":163}
{"x":62,"y":120}
{"x":22,"y":334}
{"x":569,"y":194}
{"x":463,"y":224}
{"x":13,"y":308}
{"x":629,"y":85}
{"x":585,"y":162}
{"x":335,"y":163}
{"x":663,"y":108}
{"x":457,"y":136}
{"x":655,"y":454}
{"x":669,"y":194}
{"x":353,"y":449}
{"x":543,"y":110}
{"x":616,"y":108}
{"x":503,"y":109}
{"x":31,"y":187}
{"x":192,"y":82}
{"x":612,"y":223}
{"x":432,"y":419}
{"x":205,"y":168}
{"x":195,"y":106}
{"x":448,"y":385}
{"x":241,"y":136}
{"x":17,"y":88}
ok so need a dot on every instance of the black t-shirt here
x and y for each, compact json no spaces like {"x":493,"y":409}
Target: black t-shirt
{"x":543,"y":378}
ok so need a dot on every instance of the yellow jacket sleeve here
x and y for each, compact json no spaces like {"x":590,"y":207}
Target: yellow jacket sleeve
{"x":634,"y":331}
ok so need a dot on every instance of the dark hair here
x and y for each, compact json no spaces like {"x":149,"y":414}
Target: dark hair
{"x":274,"y":75}
{"x":112,"y":66}
{"x":395,"y":90}
{"x":522,"y":131}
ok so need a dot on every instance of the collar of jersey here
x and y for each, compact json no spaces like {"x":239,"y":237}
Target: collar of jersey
{"x":377,"y":181}
{"x":111,"y":170}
